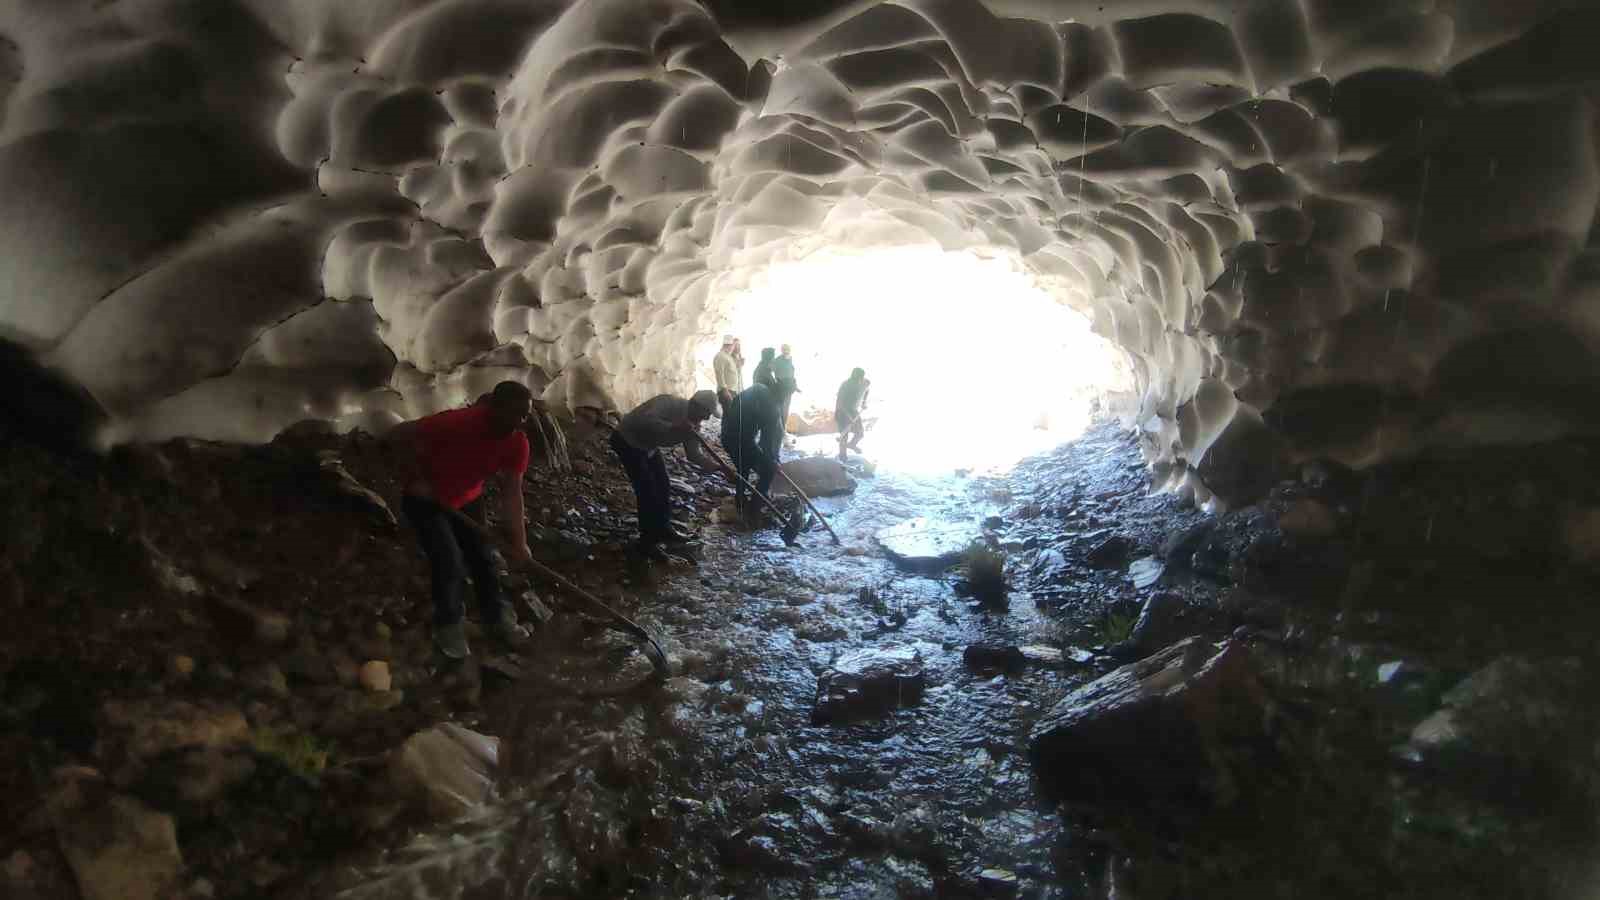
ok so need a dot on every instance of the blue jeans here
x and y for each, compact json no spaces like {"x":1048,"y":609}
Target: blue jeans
{"x":647,"y":473}
{"x":453,"y":550}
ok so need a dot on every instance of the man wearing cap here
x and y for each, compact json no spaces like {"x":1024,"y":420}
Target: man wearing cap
{"x":727,"y":367}
{"x":659,"y":422}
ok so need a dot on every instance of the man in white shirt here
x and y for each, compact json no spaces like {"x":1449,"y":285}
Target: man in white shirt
{"x":727,"y":367}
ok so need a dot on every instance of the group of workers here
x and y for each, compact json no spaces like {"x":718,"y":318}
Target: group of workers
{"x":775,"y":371}
{"x":446,"y":459}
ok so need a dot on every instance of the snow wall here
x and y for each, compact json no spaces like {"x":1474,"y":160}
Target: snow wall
{"x":1346,"y":228}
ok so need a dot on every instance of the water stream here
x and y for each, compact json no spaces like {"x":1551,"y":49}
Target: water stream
{"x":717,"y":783}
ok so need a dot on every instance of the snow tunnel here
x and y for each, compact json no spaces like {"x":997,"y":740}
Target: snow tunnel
{"x":1314,"y":618}
{"x":1313,"y":228}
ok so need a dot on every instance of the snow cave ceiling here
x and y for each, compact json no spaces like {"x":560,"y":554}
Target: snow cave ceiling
{"x":1345,"y":228}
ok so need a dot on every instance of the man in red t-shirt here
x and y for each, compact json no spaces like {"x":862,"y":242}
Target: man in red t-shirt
{"x":447,"y":457}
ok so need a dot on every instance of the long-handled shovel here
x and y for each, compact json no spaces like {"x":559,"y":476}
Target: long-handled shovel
{"x":809,"y":505}
{"x":651,"y":649}
{"x":792,"y":525}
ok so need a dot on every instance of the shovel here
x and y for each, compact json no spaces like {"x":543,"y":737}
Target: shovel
{"x":809,"y":505}
{"x":648,"y":645}
{"x":792,"y":525}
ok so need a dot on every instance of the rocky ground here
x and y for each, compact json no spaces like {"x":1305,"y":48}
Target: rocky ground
{"x":217,"y":677}
{"x":231,"y":641}
{"x":1399,"y":705}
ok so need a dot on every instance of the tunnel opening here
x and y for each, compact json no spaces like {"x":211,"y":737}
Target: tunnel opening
{"x":973,"y":363}
{"x":1337,"y":578}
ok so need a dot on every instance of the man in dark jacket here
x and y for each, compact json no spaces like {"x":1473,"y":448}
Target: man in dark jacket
{"x":783,"y":373}
{"x":764,"y":373}
{"x":752,"y":435}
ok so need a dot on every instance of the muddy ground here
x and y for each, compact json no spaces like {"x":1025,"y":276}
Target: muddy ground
{"x":719,"y":782}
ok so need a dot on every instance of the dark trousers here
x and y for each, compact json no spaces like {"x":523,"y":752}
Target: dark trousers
{"x":648,"y":473}
{"x":850,"y":428}
{"x":784,"y":399}
{"x":453,"y":550}
{"x":754,"y":451}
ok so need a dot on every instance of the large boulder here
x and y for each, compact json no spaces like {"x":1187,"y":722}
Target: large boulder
{"x":446,"y":771}
{"x":1153,"y":732}
{"x":819,"y":476}
{"x":1517,"y":728}
{"x":869,"y":683}
{"x":924,"y":544}
{"x":811,"y":420}
{"x":118,"y":848}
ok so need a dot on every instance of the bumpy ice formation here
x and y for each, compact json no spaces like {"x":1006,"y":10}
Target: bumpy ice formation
{"x":1355,"y":228}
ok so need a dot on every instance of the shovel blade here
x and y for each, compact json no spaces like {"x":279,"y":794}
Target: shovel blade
{"x":792,"y":529}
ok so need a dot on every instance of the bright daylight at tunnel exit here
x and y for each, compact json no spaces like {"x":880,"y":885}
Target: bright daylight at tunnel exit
{"x":1054,"y":449}
{"x":968,"y":343}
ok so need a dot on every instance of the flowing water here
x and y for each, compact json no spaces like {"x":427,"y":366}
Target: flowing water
{"x":717,"y":783}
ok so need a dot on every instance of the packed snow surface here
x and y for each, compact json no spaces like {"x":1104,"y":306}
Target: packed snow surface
{"x":1316,"y":226}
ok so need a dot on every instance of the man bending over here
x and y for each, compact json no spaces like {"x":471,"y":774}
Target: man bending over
{"x":661,"y":421}
{"x":752,"y":434}
{"x":446,"y":458}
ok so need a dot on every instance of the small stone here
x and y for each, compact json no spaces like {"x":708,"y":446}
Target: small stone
{"x":121,"y":850}
{"x":272,"y":628}
{"x":1580,"y":533}
{"x":243,"y":622}
{"x":538,"y":612}
{"x":346,"y":671}
{"x":998,"y":880}
{"x":1308,"y":518}
{"x":993,"y":656}
{"x":1146,"y":571}
{"x":446,"y":770}
{"x":1400,"y":672}
{"x":1437,"y":730}
{"x":1180,"y":546}
{"x":1041,"y":655}
{"x":141,"y":730}
{"x":1110,"y":553}
{"x":382,"y":631}
{"x":19,"y":866}
{"x":180,"y":666}
{"x":202,"y":889}
{"x":1049,"y":565}
{"x":383,"y":701}
{"x":207,"y":773}
{"x":868,"y":683}
{"x":267,"y":678}
{"x":375,"y":676}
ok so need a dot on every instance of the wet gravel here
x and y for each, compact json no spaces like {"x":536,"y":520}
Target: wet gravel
{"x":717,"y":783}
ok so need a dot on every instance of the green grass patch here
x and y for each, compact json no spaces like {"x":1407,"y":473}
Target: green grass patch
{"x":302,"y":754}
{"x":984,"y":569}
{"x":1115,"y":627}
